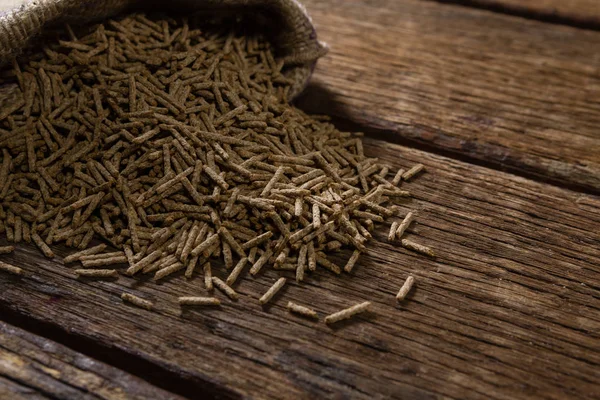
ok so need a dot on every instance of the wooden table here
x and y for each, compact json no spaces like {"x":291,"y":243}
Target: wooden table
{"x":501,"y":102}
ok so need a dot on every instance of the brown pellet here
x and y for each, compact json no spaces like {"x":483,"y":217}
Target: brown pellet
{"x":272,"y":291}
{"x":419,"y":248}
{"x":412,"y":172}
{"x":398,"y":177}
{"x":98,"y":273}
{"x":352,"y":261}
{"x":302,"y":263}
{"x":10,"y":268}
{"x":301,"y":233}
{"x":42,"y":245}
{"x":377,"y":208}
{"x":257,"y":240}
{"x":404,"y":225}
{"x":222,"y":286}
{"x":99,"y":256}
{"x":408,"y":284}
{"x":298,"y":206}
{"x":236,"y":271}
{"x":87,"y":252}
{"x":392,"y":232}
{"x":216,"y":177}
{"x":262,"y":260}
{"x":198,"y":301}
{"x":276,"y":176}
{"x":104,"y":261}
{"x":312,"y":257}
{"x":235,"y":246}
{"x":205,"y":245}
{"x":208,"y":282}
{"x":168,"y":270}
{"x":137,"y":301}
{"x":302,"y":310}
{"x":321,"y":260}
{"x":316,"y":216}
{"x":347,"y":312}
{"x":6,"y":249}
{"x":227,"y":255}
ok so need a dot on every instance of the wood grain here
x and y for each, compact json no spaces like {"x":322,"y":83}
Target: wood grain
{"x":508,"y":309}
{"x":32,"y":367}
{"x":16,"y":391}
{"x":511,"y":93}
{"x":576,"y":11}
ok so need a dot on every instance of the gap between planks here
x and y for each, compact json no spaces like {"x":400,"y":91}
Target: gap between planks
{"x":114,"y":356}
{"x":35,"y":367}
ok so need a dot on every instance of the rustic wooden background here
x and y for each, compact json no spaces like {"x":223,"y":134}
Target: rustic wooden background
{"x":500,"y":99}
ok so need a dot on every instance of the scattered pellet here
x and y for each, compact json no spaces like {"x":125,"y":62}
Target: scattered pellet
{"x":236,"y":271}
{"x":205,"y":245}
{"x":99,"y":256}
{"x":198,"y":301}
{"x":302,"y":263}
{"x":262,"y":260}
{"x":226,"y":235}
{"x":168,"y":270}
{"x":404,"y":225}
{"x":352,"y":261}
{"x":98,"y":273}
{"x":6,"y":249}
{"x":408,"y":284}
{"x":316,"y":216}
{"x":412,"y":172}
{"x":419,"y":248}
{"x":312,"y":257}
{"x":347,"y":312}
{"x":321,"y":260}
{"x":137,"y":301}
{"x":87,"y":252}
{"x":276,"y":176}
{"x":398,"y":177}
{"x":222,"y":286}
{"x":272,"y":291}
{"x":42,"y":245}
{"x":100,"y":262}
{"x":129,"y":254}
{"x":10,"y":268}
{"x":208,"y":283}
{"x":301,"y":310}
{"x":257,"y":240}
{"x":392,"y":232}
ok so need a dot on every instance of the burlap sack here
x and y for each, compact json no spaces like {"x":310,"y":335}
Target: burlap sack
{"x":290,"y":28}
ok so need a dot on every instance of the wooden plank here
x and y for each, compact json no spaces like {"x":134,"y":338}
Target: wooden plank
{"x":16,"y":391}
{"x":508,"y":309}
{"x":508,"y":92}
{"x":33,"y":367}
{"x":575,"y":11}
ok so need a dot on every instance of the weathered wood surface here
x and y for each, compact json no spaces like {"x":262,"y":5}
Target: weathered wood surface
{"x":33,"y":367}
{"x":508,"y":308}
{"x":512,"y":93}
{"x":13,"y":390}
{"x":575,"y":11}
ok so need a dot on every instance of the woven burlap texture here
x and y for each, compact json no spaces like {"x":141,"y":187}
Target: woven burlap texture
{"x":296,"y":39}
